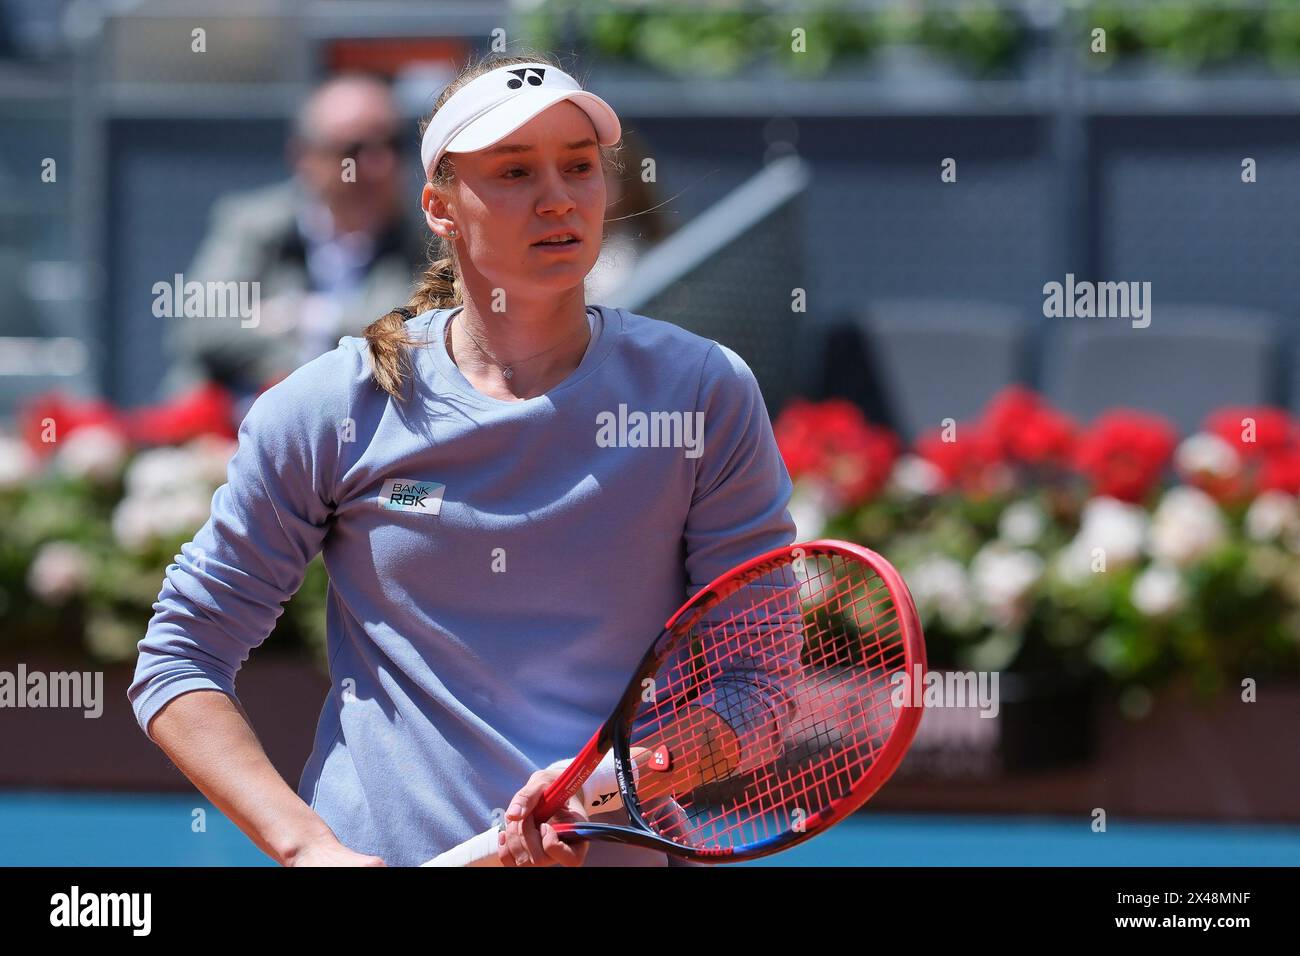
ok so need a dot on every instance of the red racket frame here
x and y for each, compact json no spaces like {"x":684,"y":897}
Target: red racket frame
{"x":611,"y":734}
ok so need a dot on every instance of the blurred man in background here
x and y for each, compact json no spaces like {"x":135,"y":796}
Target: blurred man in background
{"x":332,"y":249}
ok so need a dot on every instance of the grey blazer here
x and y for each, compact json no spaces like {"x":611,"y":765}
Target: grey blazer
{"x":254,"y":237}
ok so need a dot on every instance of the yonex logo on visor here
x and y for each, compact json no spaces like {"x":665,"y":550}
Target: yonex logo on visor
{"x":492,"y":106}
{"x":526,"y":75}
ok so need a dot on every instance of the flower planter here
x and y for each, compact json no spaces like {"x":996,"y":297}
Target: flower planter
{"x":1047,"y":721}
{"x":1186,"y":759}
{"x":1042,"y":721}
{"x":61,"y":748}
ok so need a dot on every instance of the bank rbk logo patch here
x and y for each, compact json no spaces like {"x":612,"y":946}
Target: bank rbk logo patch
{"x":409,"y":494}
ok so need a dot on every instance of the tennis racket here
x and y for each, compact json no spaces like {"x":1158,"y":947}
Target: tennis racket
{"x":773,"y":704}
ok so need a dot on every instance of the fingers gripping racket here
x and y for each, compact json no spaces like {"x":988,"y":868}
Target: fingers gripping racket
{"x":773,"y":704}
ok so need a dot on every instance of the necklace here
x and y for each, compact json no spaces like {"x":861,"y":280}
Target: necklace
{"x":507,"y":371}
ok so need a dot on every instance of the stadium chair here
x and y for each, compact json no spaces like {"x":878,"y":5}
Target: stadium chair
{"x":1191,"y":360}
{"x":940,"y":358}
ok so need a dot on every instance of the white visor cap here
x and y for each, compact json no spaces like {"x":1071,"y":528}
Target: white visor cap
{"x":498,"y":103}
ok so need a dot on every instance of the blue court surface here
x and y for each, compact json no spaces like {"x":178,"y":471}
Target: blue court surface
{"x":65,"y":829}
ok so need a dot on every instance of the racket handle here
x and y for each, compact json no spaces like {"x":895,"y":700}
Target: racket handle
{"x":480,"y":850}
{"x":600,"y":793}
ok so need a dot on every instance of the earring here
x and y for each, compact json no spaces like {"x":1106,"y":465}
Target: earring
{"x":452,"y":233}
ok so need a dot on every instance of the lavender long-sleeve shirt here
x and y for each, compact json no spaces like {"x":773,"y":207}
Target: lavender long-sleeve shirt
{"x":496,"y":568}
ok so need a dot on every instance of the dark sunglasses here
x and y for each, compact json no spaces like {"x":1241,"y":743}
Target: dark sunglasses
{"x":392,"y":143}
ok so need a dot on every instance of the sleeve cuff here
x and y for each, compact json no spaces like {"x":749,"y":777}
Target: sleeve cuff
{"x":161,"y":691}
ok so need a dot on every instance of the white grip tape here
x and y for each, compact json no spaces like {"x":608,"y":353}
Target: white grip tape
{"x":476,"y":851}
{"x":600,"y":794}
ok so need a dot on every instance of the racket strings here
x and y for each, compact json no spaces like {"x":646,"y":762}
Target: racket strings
{"x":836,"y":758}
{"x":814,"y":784}
{"x":791,"y":796}
{"x":773,"y":802}
{"x":813,"y":654}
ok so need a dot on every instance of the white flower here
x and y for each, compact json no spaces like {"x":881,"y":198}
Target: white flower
{"x":184,"y":512}
{"x":132,"y":523}
{"x":95,"y":452}
{"x":1272,"y":514}
{"x":1113,"y":528}
{"x":1186,"y":525}
{"x":939,"y":586}
{"x":1159,"y":590}
{"x":212,"y":454}
{"x":198,"y":466}
{"x":17,"y":463}
{"x":1204,"y":453}
{"x":1022,"y":523}
{"x":160,"y":471}
{"x":913,"y":476}
{"x":1073,"y":563}
{"x":137,"y":521}
{"x":810,"y":504}
{"x":59,"y":571}
{"x":1002,"y":576}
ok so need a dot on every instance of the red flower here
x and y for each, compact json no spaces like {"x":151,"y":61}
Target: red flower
{"x":1124,"y":453}
{"x":1026,"y":429}
{"x":1280,"y":471}
{"x":798,"y":437}
{"x":970,"y":462}
{"x":833,"y":442}
{"x":1050,"y":437}
{"x":68,"y":414}
{"x":1253,"y":431}
{"x":206,"y":410}
{"x":1267,"y":443}
{"x":860,"y":463}
{"x":1008,"y":409}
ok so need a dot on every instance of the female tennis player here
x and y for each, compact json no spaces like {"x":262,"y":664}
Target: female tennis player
{"x":512,"y":490}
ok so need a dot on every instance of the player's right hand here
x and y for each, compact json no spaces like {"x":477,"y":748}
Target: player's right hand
{"x":523,"y":843}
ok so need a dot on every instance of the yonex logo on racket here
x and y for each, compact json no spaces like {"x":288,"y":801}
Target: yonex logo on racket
{"x":661,"y":759}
